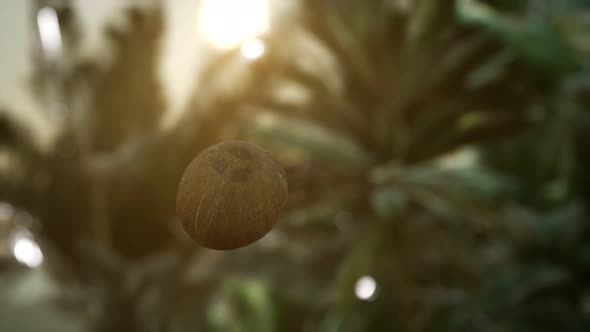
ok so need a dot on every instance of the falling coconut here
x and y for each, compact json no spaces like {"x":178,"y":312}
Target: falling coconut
{"x":231,"y":195}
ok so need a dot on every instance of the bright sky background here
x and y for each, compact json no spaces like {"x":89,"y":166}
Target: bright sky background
{"x":179,"y":47}
{"x":182,"y":46}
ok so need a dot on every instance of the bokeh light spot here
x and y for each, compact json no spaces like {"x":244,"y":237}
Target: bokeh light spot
{"x":365,"y":288}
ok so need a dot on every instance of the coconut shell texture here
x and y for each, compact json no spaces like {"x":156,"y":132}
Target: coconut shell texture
{"x":231,"y":195}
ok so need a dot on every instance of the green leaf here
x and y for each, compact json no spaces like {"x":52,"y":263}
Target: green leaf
{"x":535,"y":39}
{"x":387,"y":202}
{"x":516,"y":284}
{"x":243,"y":305}
{"x":316,"y":141}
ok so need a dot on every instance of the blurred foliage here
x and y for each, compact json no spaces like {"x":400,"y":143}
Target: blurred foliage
{"x":438,"y":147}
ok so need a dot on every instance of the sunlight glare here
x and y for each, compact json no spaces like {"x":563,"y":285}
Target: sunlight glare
{"x":226,"y":24}
{"x":253,"y":49}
